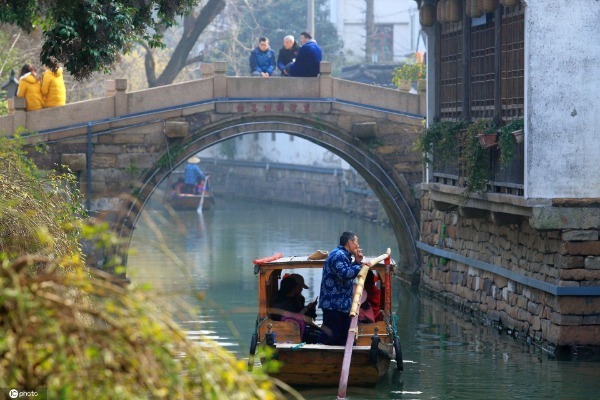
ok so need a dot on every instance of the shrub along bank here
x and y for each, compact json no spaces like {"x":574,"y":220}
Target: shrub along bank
{"x":73,"y":330}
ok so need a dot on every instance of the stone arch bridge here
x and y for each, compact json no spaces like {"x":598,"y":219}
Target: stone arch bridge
{"x":124,"y":144}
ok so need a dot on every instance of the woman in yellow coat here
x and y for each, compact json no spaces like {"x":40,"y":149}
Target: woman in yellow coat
{"x":30,"y":88}
{"x":53,"y":88}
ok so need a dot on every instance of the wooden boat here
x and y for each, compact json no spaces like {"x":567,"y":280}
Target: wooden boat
{"x":188,"y":201}
{"x":185,"y":201}
{"x":376,"y":344}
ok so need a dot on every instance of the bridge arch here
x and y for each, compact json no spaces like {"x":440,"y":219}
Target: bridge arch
{"x":392,"y":190}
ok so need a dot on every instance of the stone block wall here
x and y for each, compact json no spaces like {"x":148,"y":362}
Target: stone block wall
{"x":521,"y":271}
{"x":343,"y":190}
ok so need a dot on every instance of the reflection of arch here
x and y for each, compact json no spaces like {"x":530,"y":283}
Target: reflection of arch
{"x":391,"y":188}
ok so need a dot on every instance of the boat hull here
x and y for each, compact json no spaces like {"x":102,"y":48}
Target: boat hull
{"x":183,"y":201}
{"x":320,"y":365}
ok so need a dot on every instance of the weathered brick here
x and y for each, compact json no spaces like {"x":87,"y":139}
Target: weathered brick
{"x":581,"y":248}
{"x":592,"y":262}
{"x":578,"y":305}
{"x":579,"y":274}
{"x":571,"y":261}
{"x":591,"y":320}
{"x":580,"y":235}
{"x":578,"y":335}
{"x":533,"y":308}
{"x":534,"y":321}
{"x":104,"y":161}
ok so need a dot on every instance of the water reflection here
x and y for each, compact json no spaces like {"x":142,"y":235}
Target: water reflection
{"x":201,"y":266}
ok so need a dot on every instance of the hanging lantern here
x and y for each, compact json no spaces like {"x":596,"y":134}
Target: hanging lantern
{"x":509,"y":3}
{"x":427,"y":14}
{"x":473,"y":9}
{"x":441,"y":11}
{"x":453,"y":10}
{"x":488,"y":6}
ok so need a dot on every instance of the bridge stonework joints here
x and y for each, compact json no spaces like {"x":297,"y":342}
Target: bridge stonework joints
{"x":138,"y":138}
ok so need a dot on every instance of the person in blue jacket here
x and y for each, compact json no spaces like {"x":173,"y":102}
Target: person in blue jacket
{"x":308,"y":61}
{"x":262,"y":59}
{"x":337,"y":285}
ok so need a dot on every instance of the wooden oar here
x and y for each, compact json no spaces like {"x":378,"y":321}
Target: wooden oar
{"x":199,"y":210}
{"x":358,"y":289}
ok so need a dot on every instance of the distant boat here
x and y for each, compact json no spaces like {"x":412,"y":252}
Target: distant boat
{"x":189,"y":201}
{"x":376,"y":344}
{"x":185,"y":201}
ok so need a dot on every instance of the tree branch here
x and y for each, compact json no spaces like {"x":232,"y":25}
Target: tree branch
{"x":149,"y":65}
{"x":191,"y":32}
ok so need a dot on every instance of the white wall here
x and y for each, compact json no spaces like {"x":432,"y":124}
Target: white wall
{"x":261,"y":147}
{"x":349,"y":18}
{"x":562,"y":99}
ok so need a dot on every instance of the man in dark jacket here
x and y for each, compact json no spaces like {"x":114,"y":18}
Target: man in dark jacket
{"x":287,"y":54}
{"x":308,"y":61}
{"x":262,"y":59}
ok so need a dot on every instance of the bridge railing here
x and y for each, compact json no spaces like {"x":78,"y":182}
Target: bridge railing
{"x":213,"y":87}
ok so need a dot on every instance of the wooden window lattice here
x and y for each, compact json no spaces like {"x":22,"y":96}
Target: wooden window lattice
{"x":482,"y":68}
{"x":451,"y":79}
{"x":513,"y":63}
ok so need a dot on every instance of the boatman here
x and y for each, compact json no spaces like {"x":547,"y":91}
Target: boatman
{"x":193,"y":175}
{"x":337,"y":286}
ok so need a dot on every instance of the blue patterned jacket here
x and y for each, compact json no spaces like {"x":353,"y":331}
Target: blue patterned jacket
{"x":337,"y":283}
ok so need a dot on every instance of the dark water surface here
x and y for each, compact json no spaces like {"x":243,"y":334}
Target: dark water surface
{"x":446,"y":356}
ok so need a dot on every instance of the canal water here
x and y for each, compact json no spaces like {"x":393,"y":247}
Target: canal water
{"x":200,"y":268}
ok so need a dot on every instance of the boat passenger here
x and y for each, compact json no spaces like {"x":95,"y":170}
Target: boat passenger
{"x":370,"y":308}
{"x":337,"y":286}
{"x":289,"y":298}
{"x":193,"y":175}
{"x":289,"y":305}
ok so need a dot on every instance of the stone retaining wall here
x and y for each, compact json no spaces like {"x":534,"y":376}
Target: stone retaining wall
{"x":552,"y":260}
{"x":326,"y":188}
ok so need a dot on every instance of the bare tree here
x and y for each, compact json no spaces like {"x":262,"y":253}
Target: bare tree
{"x":193,"y":26}
{"x":370,"y":31}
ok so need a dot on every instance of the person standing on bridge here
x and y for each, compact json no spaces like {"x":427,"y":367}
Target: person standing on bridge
{"x":193,"y":175}
{"x":53,"y":88}
{"x":308,"y":61}
{"x":337,"y":285}
{"x":30,"y":88}
{"x":262,"y":59}
{"x":287,"y":54}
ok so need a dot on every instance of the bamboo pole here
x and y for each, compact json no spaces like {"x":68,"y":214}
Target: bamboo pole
{"x":358,"y":289}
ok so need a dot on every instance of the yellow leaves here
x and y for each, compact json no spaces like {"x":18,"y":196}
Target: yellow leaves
{"x":45,"y":238}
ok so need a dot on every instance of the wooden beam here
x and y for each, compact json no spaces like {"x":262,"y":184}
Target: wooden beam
{"x":498,"y":64}
{"x":466,"y":64}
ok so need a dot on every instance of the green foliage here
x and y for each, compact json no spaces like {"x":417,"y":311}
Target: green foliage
{"x":506,"y":140}
{"x":33,"y":209}
{"x":88,"y":36}
{"x":475,"y":160}
{"x":440,"y":140}
{"x":3,"y":103}
{"x":168,"y":159}
{"x":373,"y":143}
{"x":447,"y":141}
{"x":74,"y":330}
{"x":411,"y":71}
